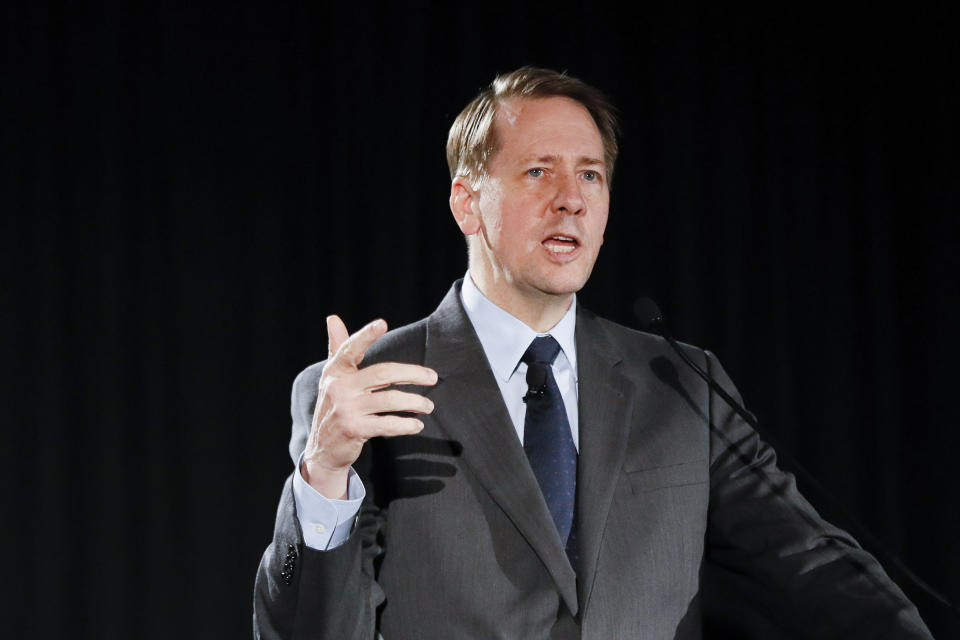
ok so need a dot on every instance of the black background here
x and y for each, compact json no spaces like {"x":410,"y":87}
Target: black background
{"x":189,"y":190}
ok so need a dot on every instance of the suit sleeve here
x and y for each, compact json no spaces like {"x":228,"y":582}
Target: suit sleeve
{"x":769,"y":546}
{"x":305,"y":593}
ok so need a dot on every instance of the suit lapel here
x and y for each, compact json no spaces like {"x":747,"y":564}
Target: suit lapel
{"x":605,"y":399}
{"x":470,"y":408}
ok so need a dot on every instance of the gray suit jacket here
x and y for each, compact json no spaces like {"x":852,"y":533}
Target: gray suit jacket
{"x":675,"y":496}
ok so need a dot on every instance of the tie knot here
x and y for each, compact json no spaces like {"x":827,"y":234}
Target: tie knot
{"x":543,"y":349}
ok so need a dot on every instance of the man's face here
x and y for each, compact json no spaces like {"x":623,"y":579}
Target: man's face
{"x":541,"y":211}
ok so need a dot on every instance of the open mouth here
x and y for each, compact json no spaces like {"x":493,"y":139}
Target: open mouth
{"x":561,"y":243}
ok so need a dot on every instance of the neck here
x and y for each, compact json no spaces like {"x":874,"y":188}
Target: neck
{"x":538,"y":310}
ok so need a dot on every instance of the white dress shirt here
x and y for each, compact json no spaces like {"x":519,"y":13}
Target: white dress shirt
{"x":326,"y":523}
{"x":505,"y":339}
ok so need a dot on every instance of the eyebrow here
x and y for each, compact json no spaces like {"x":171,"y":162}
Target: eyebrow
{"x":583,"y":160}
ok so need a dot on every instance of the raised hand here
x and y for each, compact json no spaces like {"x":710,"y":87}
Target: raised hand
{"x":350,"y":403}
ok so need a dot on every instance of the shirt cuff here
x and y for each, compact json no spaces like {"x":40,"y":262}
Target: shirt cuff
{"x":326,"y":523}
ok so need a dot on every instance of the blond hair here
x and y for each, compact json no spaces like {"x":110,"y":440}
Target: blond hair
{"x":472,"y":141}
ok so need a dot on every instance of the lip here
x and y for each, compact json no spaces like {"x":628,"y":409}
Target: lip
{"x":564,"y":234}
{"x":562,"y":256}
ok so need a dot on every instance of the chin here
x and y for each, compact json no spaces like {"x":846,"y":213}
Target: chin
{"x":563,"y":286}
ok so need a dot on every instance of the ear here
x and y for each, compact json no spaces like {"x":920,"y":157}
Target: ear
{"x":465,"y":205}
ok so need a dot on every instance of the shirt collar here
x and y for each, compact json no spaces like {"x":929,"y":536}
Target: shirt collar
{"x":505,"y":338}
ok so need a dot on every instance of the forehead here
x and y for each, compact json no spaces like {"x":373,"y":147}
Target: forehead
{"x":546,"y":126}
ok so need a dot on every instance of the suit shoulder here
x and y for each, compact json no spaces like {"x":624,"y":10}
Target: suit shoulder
{"x":624,"y":334}
{"x":403,"y":344}
{"x":633,"y":340}
{"x":307,"y":379}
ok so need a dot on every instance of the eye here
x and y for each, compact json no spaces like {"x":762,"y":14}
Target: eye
{"x":591,"y":176}
{"x":536,"y":172}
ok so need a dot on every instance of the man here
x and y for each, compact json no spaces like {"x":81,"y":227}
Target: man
{"x":526,"y":469}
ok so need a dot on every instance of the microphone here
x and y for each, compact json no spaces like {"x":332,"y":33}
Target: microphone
{"x":651,"y":319}
{"x":536,"y":381}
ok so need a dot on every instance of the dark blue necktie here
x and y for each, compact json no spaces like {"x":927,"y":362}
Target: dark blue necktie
{"x":548,"y":442}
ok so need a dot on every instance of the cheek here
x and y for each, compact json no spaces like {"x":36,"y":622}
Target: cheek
{"x":514,"y":219}
{"x":492,"y":221}
{"x":489,"y":222}
{"x":601,"y":206}
{"x":491,"y":208}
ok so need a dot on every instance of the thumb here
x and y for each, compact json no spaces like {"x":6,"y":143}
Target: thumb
{"x":336,"y":334}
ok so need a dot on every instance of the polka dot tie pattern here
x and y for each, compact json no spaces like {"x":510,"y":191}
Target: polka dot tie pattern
{"x":549,"y":446}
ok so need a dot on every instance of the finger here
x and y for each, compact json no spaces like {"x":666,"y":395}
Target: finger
{"x":336,"y":334}
{"x":384,"y":374}
{"x":394,"y":400}
{"x":350,"y":353}
{"x":389,"y":426}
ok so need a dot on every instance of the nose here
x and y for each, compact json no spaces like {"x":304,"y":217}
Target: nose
{"x":569,"y":199}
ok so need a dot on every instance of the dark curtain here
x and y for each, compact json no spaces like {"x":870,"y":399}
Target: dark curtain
{"x":187,"y":191}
